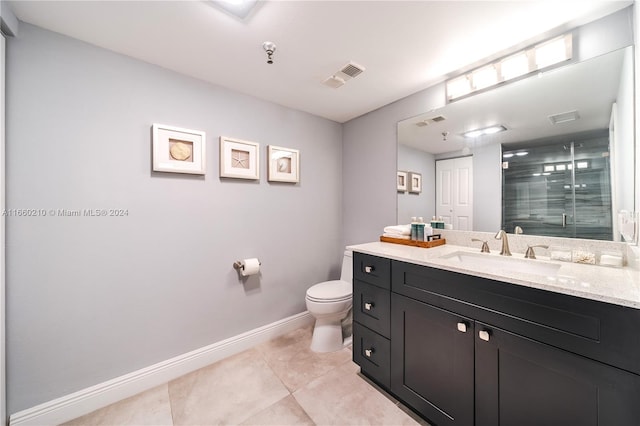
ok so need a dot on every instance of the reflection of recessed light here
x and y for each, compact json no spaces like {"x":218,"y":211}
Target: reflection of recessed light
{"x":485,"y":131}
{"x":536,"y":174}
{"x":522,"y":153}
{"x":508,"y":155}
{"x":239,"y":8}
{"x":546,"y":174}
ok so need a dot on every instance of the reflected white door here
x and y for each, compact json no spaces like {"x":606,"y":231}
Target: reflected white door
{"x":454,"y":192}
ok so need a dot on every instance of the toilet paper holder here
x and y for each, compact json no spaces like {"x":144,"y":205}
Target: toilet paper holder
{"x":239,"y":265}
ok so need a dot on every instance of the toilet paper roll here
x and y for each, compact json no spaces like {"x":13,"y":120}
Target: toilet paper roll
{"x":250,"y":267}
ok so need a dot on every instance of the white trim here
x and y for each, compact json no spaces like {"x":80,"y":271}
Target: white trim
{"x":3,"y":268}
{"x":79,"y":403}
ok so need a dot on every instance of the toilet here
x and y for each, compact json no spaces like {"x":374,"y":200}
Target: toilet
{"x":330,"y":302}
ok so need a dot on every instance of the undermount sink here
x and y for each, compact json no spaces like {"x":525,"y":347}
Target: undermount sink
{"x":493,"y":263}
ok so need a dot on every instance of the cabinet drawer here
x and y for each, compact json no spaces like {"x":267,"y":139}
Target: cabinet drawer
{"x":372,"y":352}
{"x":597,"y":330}
{"x":372,"y":269}
{"x":371,"y":307}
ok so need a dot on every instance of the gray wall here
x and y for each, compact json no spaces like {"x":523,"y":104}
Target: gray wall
{"x":369,"y":189}
{"x":90,"y":299}
{"x":422,"y":204}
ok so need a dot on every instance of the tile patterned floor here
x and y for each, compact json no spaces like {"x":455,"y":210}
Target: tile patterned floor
{"x":280,"y":382}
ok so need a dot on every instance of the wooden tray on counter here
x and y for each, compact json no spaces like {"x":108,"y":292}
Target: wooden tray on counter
{"x":423,"y":244}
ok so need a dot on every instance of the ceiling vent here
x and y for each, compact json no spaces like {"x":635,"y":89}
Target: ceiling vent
{"x":564,"y":117}
{"x":351,"y":70}
{"x":346,"y":73}
{"x":427,"y":121}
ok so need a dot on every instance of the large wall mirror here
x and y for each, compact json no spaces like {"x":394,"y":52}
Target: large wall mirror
{"x":548,"y":118}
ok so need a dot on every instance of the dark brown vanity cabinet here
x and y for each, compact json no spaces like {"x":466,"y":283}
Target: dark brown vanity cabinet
{"x":466,"y":350}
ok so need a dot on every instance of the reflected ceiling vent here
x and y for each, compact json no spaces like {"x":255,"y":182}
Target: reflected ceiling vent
{"x":564,"y":117}
{"x":427,"y":121}
{"x":346,"y":73}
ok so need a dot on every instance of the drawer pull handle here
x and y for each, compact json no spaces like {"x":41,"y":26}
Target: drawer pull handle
{"x":368,"y":306}
{"x":484,"y":335}
{"x":462,"y":327}
{"x":369,"y":352}
{"x":369,"y":269}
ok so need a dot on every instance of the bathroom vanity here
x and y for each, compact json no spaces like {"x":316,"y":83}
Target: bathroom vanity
{"x":489,"y":346}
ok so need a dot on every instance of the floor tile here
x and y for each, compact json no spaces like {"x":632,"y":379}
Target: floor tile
{"x":341,"y":397}
{"x":148,"y":408}
{"x":293,"y":361}
{"x":286,"y":412}
{"x":227,"y":392}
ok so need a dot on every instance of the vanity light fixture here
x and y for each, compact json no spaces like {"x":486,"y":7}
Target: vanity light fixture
{"x":238,"y":8}
{"x":525,"y":62}
{"x":485,"y":131}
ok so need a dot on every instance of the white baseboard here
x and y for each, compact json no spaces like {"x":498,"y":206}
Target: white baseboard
{"x":79,"y":403}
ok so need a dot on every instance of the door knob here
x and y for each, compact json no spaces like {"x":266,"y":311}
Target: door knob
{"x":462,"y":327}
{"x":484,"y":335}
{"x":369,"y":269}
{"x":368,"y":306}
{"x":369,"y":352}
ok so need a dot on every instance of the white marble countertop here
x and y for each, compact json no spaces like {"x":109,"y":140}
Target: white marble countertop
{"x":620,"y":286}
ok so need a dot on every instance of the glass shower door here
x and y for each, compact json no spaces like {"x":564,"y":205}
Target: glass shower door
{"x":558,"y":190}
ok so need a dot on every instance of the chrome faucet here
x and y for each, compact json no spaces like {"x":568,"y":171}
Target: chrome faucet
{"x":501,"y":235}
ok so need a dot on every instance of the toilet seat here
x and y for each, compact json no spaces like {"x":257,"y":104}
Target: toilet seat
{"x":330,"y":291}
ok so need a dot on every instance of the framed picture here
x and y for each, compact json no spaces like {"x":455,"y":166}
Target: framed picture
{"x":402,"y":181}
{"x":283,"y":164}
{"x":239,"y":159}
{"x":415,"y":183}
{"x":178,"y":150}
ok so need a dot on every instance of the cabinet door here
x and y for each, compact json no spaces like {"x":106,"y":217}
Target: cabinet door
{"x":522,"y":382}
{"x":432,"y":361}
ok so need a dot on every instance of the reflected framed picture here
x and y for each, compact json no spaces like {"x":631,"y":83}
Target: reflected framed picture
{"x":283,"y":164}
{"x":178,"y":150}
{"x":415,"y":183}
{"x":402,"y":181}
{"x":239,"y":159}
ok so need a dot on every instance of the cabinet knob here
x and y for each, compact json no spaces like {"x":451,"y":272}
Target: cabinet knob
{"x":368,"y":306}
{"x":462,"y":327}
{"x":369,"y":269}
{"x":484,"y":335}
{"x":369,"y":352}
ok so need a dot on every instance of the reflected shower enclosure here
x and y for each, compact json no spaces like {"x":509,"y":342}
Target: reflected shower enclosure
{"x":559,"y":188}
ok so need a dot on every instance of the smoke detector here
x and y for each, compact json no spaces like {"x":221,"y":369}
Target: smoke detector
{"x":344,"y":74}
{"x":333,"y":82}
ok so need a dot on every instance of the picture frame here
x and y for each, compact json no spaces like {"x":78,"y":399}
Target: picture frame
{"x":415,"y":182}
{"x":239,"y":159}
{"x":401,"y":181}
{"x":283,"y":164}
{"x":178,"y":150}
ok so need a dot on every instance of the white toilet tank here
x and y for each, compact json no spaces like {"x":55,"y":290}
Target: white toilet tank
{"x":347,"y":267}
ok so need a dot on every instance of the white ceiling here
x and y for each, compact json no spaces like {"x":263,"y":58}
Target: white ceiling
{"x":405,"y":46}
